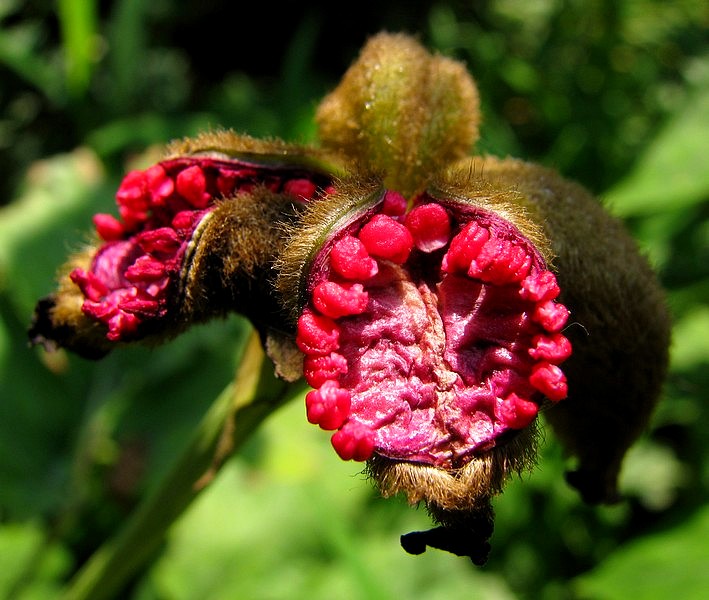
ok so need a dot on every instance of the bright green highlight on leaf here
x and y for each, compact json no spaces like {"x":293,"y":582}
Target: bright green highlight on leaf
{"x":672,"y":173}
{"x":668,"y":564}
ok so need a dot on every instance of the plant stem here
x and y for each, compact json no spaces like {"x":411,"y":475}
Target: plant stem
{"x":237,"y":411}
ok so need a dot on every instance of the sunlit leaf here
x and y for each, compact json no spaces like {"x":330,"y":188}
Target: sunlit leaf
{"x":672,"y":174}
{"x":309,"y":531}
{"x":691,"y":339}
{"x":51,"y":218}
{"x":669,"y":564}
{"x":20,"y":545}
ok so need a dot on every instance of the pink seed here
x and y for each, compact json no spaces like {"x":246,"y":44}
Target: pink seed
{"x":549,"y":380}
{"x":430,"y":226}
{"x":340,"y":299}
{"x":226,"y":182}
{"x":554,"y":348}
{"x":483,"y":265}
{"x":159,"y":184}
{"x":157,"y":287}
{"x":328,"y":406}
{"x":394,"y":204}
{"x":300,"y":188}
{"x":184,"y":219}
{"x":350,"y":259}
{"x":500,"y":262}
{"x":318,"y":369}
{"x":133,"y":191}
{"x":108,"y":227}
{"x":161,"y":240}
{"x":509,"y":265}
{"x":192,"y":186}
{"x":520,"y":264}
{"x":464,"y":248}
{"x":101,"y":311}
{"x":272,"y":184}
{"x":316,"y":334}
{"x":139,"y":306}
{"x":131,"y":217}
{"x":354,"y":441}
{"x":386,"y":238}
{"x":517,"y":412}
{"x":91,"y":286}
{"x":540,"y":286}
{"x":121,"y":324}
{"x":551,"y":315}
{"x":145,"y":268}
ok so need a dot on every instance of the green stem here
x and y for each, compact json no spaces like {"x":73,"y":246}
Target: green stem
{"x":233,"y":416}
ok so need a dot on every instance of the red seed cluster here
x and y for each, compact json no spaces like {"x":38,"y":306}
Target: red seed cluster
{"x":131,"y":274}
{"x":430,"y":363}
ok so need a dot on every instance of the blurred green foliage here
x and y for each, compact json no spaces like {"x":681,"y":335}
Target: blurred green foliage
{"x":614,"y":94}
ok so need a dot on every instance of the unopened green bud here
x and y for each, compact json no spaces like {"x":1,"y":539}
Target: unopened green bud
{"x":401,"y":111}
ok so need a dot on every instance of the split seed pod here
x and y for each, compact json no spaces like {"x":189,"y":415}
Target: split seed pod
{"x":195,"y":238}
{"x":432,"y":338}
{"x":444,"y":302}
{"x":439,"y":303}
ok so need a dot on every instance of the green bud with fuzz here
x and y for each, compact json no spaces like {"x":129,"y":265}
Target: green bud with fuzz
{"x":401,"y":111}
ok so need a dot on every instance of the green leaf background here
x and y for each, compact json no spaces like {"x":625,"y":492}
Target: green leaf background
{"x":613,"y":94}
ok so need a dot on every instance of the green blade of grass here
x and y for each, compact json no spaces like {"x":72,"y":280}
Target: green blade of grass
{"x":78,"y":23}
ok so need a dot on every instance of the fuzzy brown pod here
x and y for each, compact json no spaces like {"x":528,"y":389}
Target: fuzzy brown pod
{"x":442,"y":307}
{"x":436,"y":332}
{"x":446,"y":302}
{"x":194,"y":239}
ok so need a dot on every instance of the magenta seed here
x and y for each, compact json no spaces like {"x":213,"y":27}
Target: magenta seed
{"x":386,"y":238}
{"x":350,"y":259}
{"x":465,"y":247}
{"x":517,"y":412}
{"x":549,"y":380}
{"x":328,"y":406}
{"x":340,"y":299}
{"x":354,"y":442}
{"x":430,"y":226}
{"x":316,"y":334}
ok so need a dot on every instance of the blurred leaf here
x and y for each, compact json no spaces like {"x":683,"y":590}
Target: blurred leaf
{"x":24,"y":543}
{"x":18,"y":52}
{"x":672,"y":173}
{"x":669,"y":564}
{"x":141,"y":130}
{"x":302,"y":524}
{"x":690,"y":345}
{"x":231,"y":419}
{"x":576,"y":86}
{"x":39,"y":413}
{"x":127,"y":39}
{"x":685,"y":299}
{"x":42,"y":402}
{"x":653,"y":473}
{"x":38,"y":229}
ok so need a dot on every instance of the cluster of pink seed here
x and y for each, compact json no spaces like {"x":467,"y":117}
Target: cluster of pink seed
{"x":476,"y":250}
{"x":130,"y":275}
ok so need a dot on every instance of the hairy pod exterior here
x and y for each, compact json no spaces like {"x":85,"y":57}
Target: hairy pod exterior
{"x":432,"y":337}
{"x":438,"y":303}
{"x":619,"y":329}
{"x":195,"y":238}
{"x":401,"y":111}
